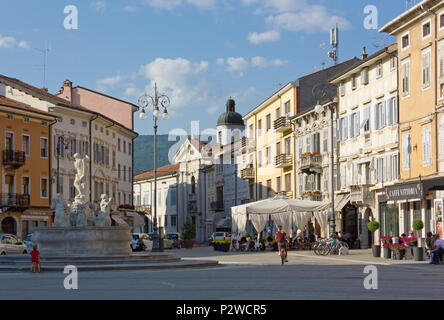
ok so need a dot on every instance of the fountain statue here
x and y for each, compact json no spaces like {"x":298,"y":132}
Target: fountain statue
{"x":71,"y":234}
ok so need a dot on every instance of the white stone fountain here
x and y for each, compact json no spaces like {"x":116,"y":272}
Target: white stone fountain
{"x":71,"y":234}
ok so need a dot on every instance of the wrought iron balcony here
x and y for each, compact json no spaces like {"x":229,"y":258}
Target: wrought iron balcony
{"x":283,"y":160}
{"x":282,"y":124}
{"x":361,"y":195}
{"x":217,"y":205}
{"x":312,"y":196}
{"x":192,"y":197}
{"x":247,"y":144}
{"x":192,"y":207}
{"x":311,"y":163}
{"x":245,"y":201}
{"x":13,"y":158}
{"x":248,"y":173}
{"x":15,"y":200}
{"x":145,"y":208}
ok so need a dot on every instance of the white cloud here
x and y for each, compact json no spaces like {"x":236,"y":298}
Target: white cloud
{"x":236,"y":64}
{"x":130,"y":8}
{"x":10,"y":42}
{"x":132,"y":92}
{"x":293,"y":16}
{"x":241,"y":64}
{"x":181,"y":79}
{"x":98,"y":5}
{"x":172,"y":4}
{"x":213,"y":110}
{"x":202,"y":4}
{"x":267,"y":36}
{"x":104,"y":84}
{"x":310,"y":20}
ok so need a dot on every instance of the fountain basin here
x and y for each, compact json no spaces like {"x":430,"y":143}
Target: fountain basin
{"x":66,"y":241}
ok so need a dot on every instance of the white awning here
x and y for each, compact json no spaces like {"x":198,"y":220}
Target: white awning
{"x":341,"y":200}
{"x":119,"y":221}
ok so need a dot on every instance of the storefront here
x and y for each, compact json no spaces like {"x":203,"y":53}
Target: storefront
{"x":34,"y":218}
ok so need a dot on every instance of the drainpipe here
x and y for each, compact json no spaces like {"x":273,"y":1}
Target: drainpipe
{"x":177,"y":202}
{"x":91,"y":155}
{"x":50,"y":157}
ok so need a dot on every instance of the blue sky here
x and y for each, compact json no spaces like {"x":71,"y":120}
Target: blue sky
{"x":199,"y":51}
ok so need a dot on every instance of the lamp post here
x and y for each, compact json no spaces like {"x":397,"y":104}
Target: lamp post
{"x":62,"y":144}
{"x":146,"y":101}
{"x":319,"y":109}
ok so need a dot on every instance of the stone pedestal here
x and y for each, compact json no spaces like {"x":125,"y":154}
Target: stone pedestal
{"x":61,"y":241}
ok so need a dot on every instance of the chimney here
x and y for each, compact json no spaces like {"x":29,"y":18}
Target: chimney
{"x":364,"y":54}
{"x":65,"y":91}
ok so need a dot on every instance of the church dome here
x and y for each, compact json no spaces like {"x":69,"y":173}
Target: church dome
{"x":230,"y":117}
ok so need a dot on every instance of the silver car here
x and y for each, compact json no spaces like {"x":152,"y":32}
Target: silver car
{"x":10,"y":244}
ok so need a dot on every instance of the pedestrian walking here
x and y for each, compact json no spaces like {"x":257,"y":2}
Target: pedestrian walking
{"x":282,"y":243}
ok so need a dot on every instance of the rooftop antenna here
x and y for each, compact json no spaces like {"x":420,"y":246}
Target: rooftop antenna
{"x":334,"y":43}
{"x":45,"y":54}
{"x":409,"y":4}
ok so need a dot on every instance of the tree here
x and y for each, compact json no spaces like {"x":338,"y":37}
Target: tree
{"x":189,"y":230}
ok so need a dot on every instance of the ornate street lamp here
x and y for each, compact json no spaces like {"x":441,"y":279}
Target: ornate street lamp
{"x":320,"y":93}
{"x":147,"y":102}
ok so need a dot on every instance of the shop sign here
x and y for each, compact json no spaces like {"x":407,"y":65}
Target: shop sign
{"x":404,"y":192}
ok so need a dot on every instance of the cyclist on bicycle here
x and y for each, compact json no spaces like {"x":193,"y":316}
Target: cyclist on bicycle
{"x":282,"y":242}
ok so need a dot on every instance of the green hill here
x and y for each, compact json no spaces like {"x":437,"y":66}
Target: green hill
{"x":144,"y":152}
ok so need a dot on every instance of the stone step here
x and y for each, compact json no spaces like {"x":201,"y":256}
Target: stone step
{"x":66,"y":262}
{"x":107,"y":267}
{"x":132,"y":257}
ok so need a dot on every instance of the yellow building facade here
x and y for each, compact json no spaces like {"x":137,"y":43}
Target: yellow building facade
{"x":25,"y":187}
{"x":420,"y":41}
{"x":269,"y":146}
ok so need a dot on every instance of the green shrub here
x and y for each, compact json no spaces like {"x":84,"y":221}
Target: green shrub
{"x":222,"y":241}
{"x":189,"y":230}
{"x":418,"y":224}
{"x":373,"y":226}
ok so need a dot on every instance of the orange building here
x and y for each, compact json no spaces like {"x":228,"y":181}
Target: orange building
{"x":25,"y":148}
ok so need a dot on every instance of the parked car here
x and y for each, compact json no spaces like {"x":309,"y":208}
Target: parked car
{"x":167,"y":243}
{"x":28,"y":242}
{"x":10,"y":244}
{"x":220,"y":236}
{"x":138,"y":239}
{"x":177,"y":240}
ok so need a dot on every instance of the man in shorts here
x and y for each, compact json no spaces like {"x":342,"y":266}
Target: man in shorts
{"x":282,"y":241}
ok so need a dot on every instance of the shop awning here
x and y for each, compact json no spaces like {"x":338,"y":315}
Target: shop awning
{"x":341,"y":200}
{"x":119,"y":221}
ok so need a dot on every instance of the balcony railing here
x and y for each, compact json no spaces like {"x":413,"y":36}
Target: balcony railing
{"x":312,"y":196}
{"x":192,"y":207}
{"x":13,"y":158}
{"x":15,"y":200}
{"x":247,"y":144}
{"x":145,"y":208}
{"x":217,"y":205}
{"x":245,"y":201}
{"x":288,"y":194}
{"x":282,"y":124}
{"x":311,"y":162}
{"x":248,"y":173}
{"x":283,"y":160}
{"x":361,"y":195}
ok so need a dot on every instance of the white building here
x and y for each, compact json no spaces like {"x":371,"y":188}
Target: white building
{"x":367,"y":131}
{"x":167,"y":187}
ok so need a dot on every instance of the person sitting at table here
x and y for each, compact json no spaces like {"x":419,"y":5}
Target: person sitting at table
{"x":438,"y":249}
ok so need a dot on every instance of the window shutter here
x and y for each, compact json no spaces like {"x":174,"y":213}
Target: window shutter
{"x":338,"y":130}
{"x":383,"y":114}
{"x":376,"y":116}
{"x":358,"y":121}
{"x":352,"y":127}
{"x":345,"y":137}
{"x":389,"y":112}
{"x":395,"y":109}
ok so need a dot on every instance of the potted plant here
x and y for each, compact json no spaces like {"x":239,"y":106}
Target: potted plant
{"x":398,"y":250}
{"x":188,"y":234}
{"x":385,"y":240}
{"x":222,"y":245}
{"x":373,"y":226}
{"x":274,"y":243}
{"x":418,"y":252}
